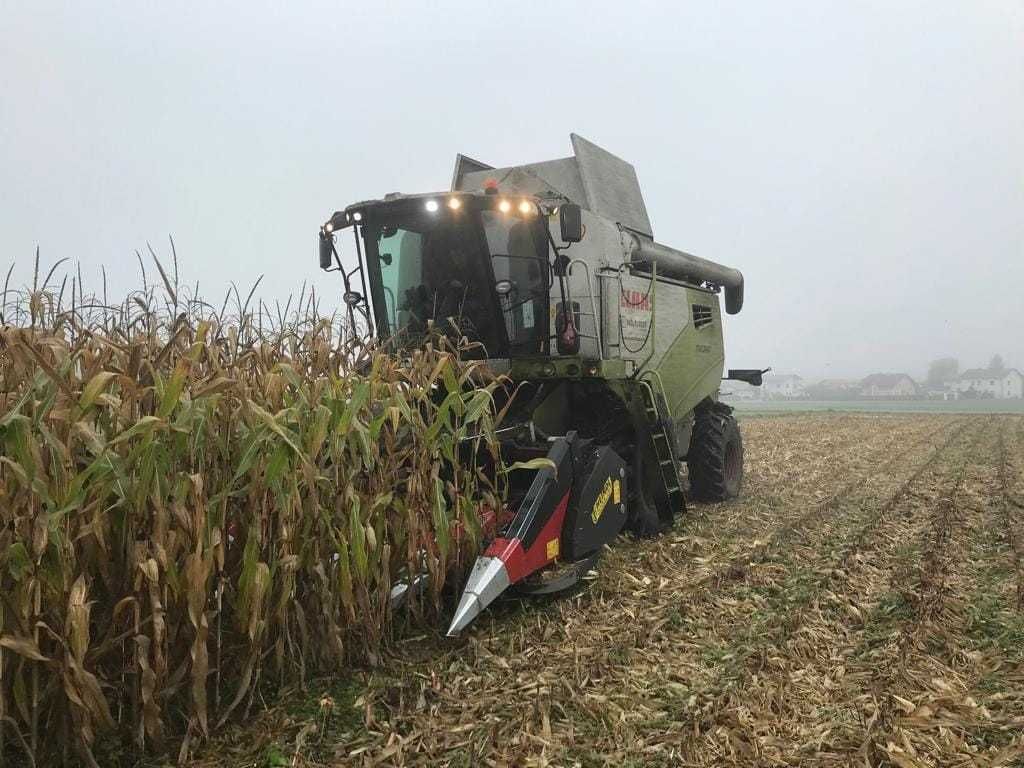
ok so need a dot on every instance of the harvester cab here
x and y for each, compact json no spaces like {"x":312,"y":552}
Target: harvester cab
{"x":471,"y":265}
{"x":551,"y":273}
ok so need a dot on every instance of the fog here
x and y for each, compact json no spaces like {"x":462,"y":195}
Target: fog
{"x":861,"y":163}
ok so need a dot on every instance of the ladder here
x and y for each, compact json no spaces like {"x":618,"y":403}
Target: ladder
{"x":656,"y":409}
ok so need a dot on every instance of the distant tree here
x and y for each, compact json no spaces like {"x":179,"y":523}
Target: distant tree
{"x":996,"y":363}
{"x":943,"y":370}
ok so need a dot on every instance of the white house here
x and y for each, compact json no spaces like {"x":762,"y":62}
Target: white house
{"x":784,"y":386}
{"x":980,"y":382}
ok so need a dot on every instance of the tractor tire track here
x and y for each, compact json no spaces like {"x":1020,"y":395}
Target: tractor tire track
{"x":881,"y":736}
{"x":899,"y":683}
{"x":915,"y":696}
{"x":740,"y":565}
{"x":739,"y":568}
{"x":1012,"y":507}
{"x":728,"y":707}
{"x":844,"y":584}
{"x":646,"y":643}
{"x":706,"y":591}
{"x":645,"y":559}
{"x":968,"y":638}
{"x":845,"y":436}
{"x":987,"y":629}
{"x":730,"y":517}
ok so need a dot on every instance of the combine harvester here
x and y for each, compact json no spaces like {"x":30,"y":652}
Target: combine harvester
{"x":614,"y":341}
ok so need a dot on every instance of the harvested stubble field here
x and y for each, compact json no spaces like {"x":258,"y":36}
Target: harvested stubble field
{"x":863,"y":604}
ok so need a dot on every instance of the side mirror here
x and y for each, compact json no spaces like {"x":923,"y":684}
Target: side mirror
{"x":326,"y":250}
{"x":571,"y":219}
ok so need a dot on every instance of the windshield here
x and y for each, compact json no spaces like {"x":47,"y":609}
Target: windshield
{"x":474,"y":273}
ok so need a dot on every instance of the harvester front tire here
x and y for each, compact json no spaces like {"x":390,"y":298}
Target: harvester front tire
{"x":715,"y":457}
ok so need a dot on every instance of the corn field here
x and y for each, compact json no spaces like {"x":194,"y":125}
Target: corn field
{"x":196,"y":507}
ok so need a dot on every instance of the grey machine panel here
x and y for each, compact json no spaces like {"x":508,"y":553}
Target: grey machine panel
{"x":611,"y":186}
{"x":594,"y":178}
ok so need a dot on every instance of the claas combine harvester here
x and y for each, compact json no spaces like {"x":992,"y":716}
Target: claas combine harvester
{"x":614,"y":343}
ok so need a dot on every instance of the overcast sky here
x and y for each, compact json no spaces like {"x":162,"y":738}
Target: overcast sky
{"x":861,"y":162}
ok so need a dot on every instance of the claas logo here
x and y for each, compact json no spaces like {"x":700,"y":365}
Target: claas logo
{"x":635,"y":299}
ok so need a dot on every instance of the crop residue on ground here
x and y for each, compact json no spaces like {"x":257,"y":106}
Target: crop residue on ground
{"x":862,"y":604}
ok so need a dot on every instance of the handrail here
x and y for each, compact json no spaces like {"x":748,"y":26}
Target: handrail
{"x":614,"y":347}
{"x":593,"y":305}
{"x":656,"y":376}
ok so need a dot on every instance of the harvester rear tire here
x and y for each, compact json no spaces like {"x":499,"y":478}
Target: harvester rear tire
{"x":715,"y":457}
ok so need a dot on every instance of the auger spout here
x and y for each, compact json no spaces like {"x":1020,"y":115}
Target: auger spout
{"x":680,"y":265}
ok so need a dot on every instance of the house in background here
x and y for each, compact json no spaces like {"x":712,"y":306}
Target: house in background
{"x":981,"y":382}
{"x":888,"y":386}
{"x":786,"y":386}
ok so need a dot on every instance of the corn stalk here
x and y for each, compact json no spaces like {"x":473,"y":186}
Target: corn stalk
{"x":192,"y":505}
